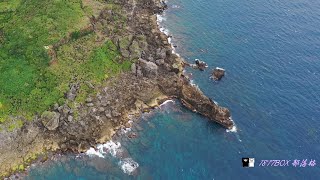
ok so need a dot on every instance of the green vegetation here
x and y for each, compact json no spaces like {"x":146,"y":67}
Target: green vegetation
{"x":29,"y":83}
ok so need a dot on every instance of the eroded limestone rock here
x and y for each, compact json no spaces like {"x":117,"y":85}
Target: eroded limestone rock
{"x":50,"y":120}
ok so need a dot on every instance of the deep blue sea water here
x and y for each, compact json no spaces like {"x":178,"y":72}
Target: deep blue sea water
{"x":271,"y":52}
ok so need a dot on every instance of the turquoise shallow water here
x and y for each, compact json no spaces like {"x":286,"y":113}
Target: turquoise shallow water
{"x":271,"y":52}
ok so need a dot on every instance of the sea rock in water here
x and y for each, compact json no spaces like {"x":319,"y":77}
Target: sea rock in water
{"x":218,"y":73}
{"x":132,"y":135}
{"x":50,"y":120}
{"x":201,"y":64}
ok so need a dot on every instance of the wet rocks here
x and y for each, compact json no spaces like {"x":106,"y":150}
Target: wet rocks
{"x":133,"y":135}
{"x":201,"y":65}
{"x":50,"y":120}
{"x":218,"y":73}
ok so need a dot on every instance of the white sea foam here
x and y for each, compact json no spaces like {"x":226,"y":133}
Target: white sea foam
{"x":110,"y":146}
{"x":93,"y":152}
{"x":164,"y":30}
{"x":160,"y":18}
{"x":194,"y":85}
{"x":125,"y":130}
{"x":220,"y":68}
{"x":233,"y":129}
{"x":167,"y":101}
{"x":170,"y":41}
{"x":128,"y":165}
{"x":102,"y":149}
{"x":175,"y":6}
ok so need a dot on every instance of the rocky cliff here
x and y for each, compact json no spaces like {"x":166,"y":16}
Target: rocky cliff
{"x":156,"y":75}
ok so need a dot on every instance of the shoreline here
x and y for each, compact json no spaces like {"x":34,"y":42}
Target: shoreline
{"x":98,"y":150}
{"x":167,"y":82}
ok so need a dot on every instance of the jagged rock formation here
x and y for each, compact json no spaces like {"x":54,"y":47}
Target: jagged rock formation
{"x":218,"y":73}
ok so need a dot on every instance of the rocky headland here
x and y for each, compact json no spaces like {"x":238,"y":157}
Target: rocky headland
{"x":156,"y":75}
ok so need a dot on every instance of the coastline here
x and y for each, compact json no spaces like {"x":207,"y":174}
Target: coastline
{"x":154,"y":87}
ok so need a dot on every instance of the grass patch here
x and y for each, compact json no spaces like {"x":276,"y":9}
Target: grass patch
{"x":83,"y":61}
{"x":28,"y":85}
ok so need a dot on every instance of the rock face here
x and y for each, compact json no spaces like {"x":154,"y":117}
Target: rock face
{"x":149,"y":69}
{"x":218,"y":73}
{"x":195,"y":100}
{"x":50,"y":120}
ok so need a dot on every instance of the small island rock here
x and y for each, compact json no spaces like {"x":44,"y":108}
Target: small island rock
{"x":218,"y":73}
{"x":201,"y":64}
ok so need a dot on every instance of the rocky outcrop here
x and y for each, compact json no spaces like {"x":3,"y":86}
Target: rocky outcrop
{"x":50,"y":120}
{"x":218,"y":73}
{"x":149,"y":69}
{"x":201,"y":65}
{"x":123,"y":45}
{"x":194,"y":99}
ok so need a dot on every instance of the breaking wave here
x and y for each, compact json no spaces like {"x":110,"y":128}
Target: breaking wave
{"x":128,"y":165}
{"x":233,"y":129}
{"x":103,"y":149}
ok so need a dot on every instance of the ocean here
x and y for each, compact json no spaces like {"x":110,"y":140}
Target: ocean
{"x":271,"y":53}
